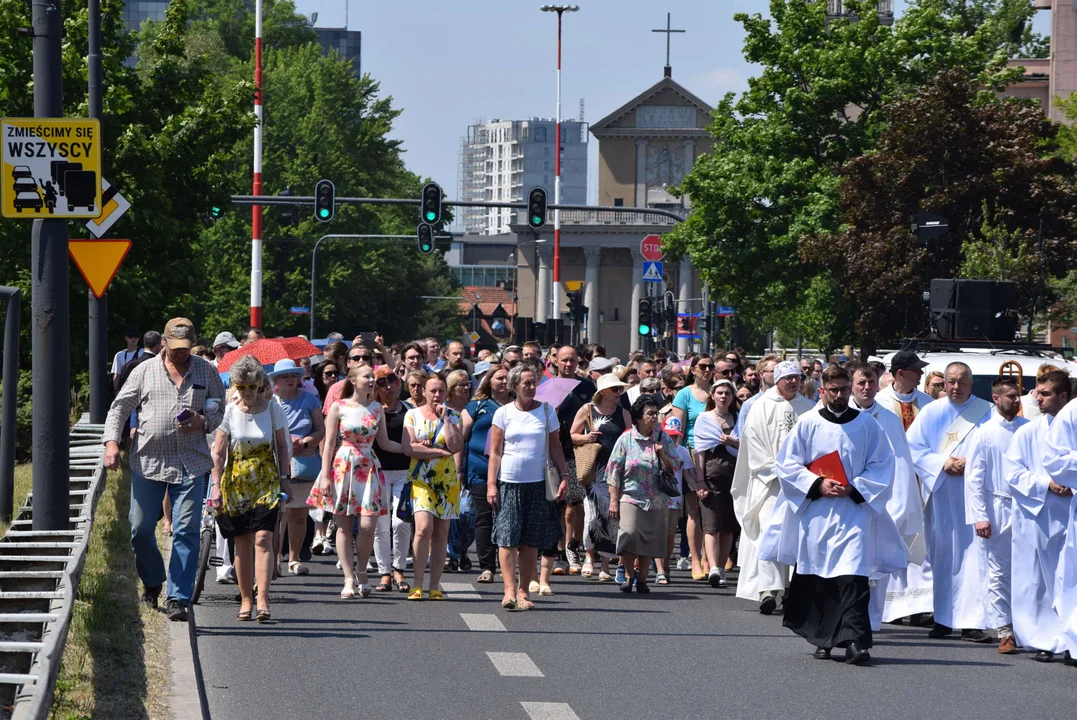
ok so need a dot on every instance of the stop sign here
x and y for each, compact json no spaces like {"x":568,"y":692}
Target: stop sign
{"x":651,"y":248}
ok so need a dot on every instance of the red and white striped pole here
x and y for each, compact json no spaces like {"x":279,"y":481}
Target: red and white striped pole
{"x":256,"y":210}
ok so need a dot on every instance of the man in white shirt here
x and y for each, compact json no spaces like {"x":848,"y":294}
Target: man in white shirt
{"x":836,"y":470}
{"x":765,"y":371}
{"x":988,"y":503}
{"x":755,"y":484}
{"x":131,"y":352}
{"x":939,"y":441}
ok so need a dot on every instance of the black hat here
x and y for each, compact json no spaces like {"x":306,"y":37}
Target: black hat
{"x":906,"y":360}
{"x":131,"y":331}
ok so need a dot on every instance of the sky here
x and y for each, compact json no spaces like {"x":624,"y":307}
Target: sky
{"x":450,"y":63}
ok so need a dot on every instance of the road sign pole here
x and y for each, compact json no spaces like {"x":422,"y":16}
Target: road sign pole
{"x":51,"y":320}
{"x":99,"y":400}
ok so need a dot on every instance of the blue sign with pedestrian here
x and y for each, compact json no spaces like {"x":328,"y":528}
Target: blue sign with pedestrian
{"x":652,"y":271}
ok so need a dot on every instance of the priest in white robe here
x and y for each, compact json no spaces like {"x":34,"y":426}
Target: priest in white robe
{"x":892,"y":595}
{"x":939,"y":440}
{"x":755,"y":483}
{"x":1060,"y":461}
{"x":1040,"y":515}
{"x":836,"y":472}
{"x":903,"y":396}
{"x":988,"y":504}
{"x":765,"y":371}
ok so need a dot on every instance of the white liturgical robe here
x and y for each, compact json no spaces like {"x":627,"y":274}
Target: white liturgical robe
{"x":1060,"y":461}
{"x":755,"y":487}
{"x":1038,"y":535}
{"x":892,"y":400}
{"x":987,"y":499}
{"x":830,"y":537}
{"x":958,"y":562}
{"x":904,"y":592}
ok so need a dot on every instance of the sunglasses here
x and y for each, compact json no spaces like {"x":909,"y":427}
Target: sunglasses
{"x":726,"y":373}
{"x":705,"y":367}
{"x":617,"y":390}
{"x":360,"y":358}
{"x":385,"y":381}
{"x":243,"y":388}
{"x":330,"y":373}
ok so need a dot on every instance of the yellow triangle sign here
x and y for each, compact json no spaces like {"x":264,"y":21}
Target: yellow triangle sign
{"x":98,"y":261}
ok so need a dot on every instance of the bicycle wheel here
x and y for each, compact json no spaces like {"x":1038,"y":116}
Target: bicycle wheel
{"x":205,"y":549}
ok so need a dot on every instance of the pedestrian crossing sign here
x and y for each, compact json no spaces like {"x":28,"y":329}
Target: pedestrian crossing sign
{"x":652,"y":271}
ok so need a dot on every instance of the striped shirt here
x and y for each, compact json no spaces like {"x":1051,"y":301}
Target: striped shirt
{"x":159,"y":450}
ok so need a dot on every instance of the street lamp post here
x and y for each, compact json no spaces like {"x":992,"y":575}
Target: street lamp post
{"x":560,"y":10}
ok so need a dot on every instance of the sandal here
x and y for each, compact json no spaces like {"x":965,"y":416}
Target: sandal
{"x":661,"y":579}
{"x":402,"y":586}
{"x":437,"y":595}
{"x":486,"y":576}
{"x":588,"y":570}
{"x":244,"y":616}
{"x":416,"y":594}
{"x":297,"y":568}
{"x":263,"y":615}
{"x":604,"y":576}
{"x":348,"y":592}
{"x":384,"y":586}
{"x":508,"y":604}
{"x":524,"y":604}
{"x":545,"y":590}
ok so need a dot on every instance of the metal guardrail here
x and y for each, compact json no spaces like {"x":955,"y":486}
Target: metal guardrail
{"x":39,"y":580}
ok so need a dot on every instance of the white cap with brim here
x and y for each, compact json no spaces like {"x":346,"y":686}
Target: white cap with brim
{"x":227,"y":339}
{"x":605,"y":383}
{"x":600,"y":364}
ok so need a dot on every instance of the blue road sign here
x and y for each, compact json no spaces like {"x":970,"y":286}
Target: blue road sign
{"x":652,"y":271}
{"x":300,"y":311}
{"x":724,"y":311}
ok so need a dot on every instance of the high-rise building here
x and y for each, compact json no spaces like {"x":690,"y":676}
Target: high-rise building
{"x":503,"y":159}
{"x":885,"y":8}
{"x":135,"y":12}
{"x":347,"y":42}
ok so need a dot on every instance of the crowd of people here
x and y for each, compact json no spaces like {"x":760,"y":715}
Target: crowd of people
{"x":845,"y":494}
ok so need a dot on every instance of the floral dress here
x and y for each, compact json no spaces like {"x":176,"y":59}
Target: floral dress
{"x":435,"y":487}
{"x":634,"y":467}
{"x":250,"y":483}
{"x":358,"y":485}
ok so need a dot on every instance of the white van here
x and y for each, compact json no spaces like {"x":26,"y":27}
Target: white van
{"x":987,"y":364}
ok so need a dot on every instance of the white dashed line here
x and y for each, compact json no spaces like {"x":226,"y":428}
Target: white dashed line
{"x":481,"y":622}
{"x":460,"y":591}
{"x":514,"y":664}
{"x":549,"y":711}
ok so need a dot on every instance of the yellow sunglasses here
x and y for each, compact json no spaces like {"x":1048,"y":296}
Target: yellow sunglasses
{"x":241,"y":388}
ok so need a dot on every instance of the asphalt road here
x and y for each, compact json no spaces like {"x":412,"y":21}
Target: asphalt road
{"x":589,"y":652}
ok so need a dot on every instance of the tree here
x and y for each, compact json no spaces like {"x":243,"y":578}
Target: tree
{"x":816,"y":103}
{"x":974,"y":158}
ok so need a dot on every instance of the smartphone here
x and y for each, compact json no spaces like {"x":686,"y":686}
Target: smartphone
{"x":184,"y":416}
{"x":367,"y":338}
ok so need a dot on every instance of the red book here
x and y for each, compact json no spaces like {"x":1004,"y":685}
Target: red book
{"x":829,"y":466}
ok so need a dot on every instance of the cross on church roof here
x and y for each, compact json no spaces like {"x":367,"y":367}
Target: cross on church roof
{"x":668,"y":31}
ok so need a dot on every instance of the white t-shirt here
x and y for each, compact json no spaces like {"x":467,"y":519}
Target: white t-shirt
{"x":123,"y":357}
{"x":523,"y":459}
{"x":251,"y":430}
{"x":680,"y":454}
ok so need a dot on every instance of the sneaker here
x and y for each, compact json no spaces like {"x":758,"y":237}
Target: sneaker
{"x":228,"y":577}
{"x":150,"y":595}
{"x":767,"y":605}
{"x":619,"y":577}
{"x":684,"y":564}
{"x":317,"y":546}
{"x":175,"y":610}
{"x":465,"y":563}
{"x":722,"y":580}
{"x":714,"y":577}
{"x":560,"y":567}
{"x":574,"y":564}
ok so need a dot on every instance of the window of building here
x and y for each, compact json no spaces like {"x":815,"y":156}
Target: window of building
{"x":540,"y":134}
{"x":618,"y":202}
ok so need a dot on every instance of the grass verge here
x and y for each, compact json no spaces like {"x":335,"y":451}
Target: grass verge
{"x":23,"y":482}
{"x":115,"y":664}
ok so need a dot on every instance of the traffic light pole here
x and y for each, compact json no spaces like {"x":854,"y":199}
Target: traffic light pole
{"x":50,"y":336}
{"x":98,"y":361}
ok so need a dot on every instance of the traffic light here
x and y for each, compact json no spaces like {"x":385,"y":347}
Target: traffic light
{"x":288,"y":215}
{"x":671,"y":312}
{"x":646,"y":321}
{"x":426,"y":238}
{"x":431,"y":204}
{"x":701,"y":324}
{"x":576,"y":308}
{"x":325,"y":195}
{"x":216,"y":213}
{"x":536,"y":208}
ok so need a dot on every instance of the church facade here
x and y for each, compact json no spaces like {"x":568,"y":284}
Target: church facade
{"x":645,"y":148}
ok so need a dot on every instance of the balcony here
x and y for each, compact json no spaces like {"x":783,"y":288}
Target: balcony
{"x":885,"y":8}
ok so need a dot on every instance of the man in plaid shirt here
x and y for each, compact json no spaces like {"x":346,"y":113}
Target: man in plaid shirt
{"x":180,"y":400}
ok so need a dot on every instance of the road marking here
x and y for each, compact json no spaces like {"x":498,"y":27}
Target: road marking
{"x":481,"y":622}
{"x":549,"y":711}
{"x":461,"y":591}
{"x":514,"y":664}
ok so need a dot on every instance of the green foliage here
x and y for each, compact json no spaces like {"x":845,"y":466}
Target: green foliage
{"x":817,"y":103}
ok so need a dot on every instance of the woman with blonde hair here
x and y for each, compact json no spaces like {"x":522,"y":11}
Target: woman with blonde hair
{"x":351,"y":482}
{"x":934,"y":384}
{"x":251,"y":462}
{"x":462,"y":528}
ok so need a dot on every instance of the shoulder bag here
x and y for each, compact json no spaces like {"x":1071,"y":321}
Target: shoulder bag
{"x":553,"y":478}
{"x":587,"y":455}
{"x":667,"y":481}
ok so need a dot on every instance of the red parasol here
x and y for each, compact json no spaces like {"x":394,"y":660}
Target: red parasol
{"x":266,"y":352}
{"x":298,"y":348}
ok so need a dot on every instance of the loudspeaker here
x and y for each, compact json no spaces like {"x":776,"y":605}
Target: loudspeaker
{"x":974,"y":309}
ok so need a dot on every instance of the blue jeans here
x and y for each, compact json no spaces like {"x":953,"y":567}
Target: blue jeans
{"x":187,"y":498}
{"x":462,"y":532}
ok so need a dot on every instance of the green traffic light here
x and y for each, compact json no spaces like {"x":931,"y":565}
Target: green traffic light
{"x":536,"y":220}
{"x":324,"y":212}
{"x":216,"y":212}
{"x":431,"y":216}
{"x":644,"y":329}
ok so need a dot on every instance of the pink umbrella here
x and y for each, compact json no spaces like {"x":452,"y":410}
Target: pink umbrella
{"x":555,"y":390}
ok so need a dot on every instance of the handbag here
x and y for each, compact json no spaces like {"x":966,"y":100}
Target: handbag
{"x":587,"y":455}
{"x":667,"y":481}
{"x":553,"y":478}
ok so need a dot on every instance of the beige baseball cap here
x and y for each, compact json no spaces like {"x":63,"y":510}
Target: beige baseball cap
{"x":179,"y":333}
